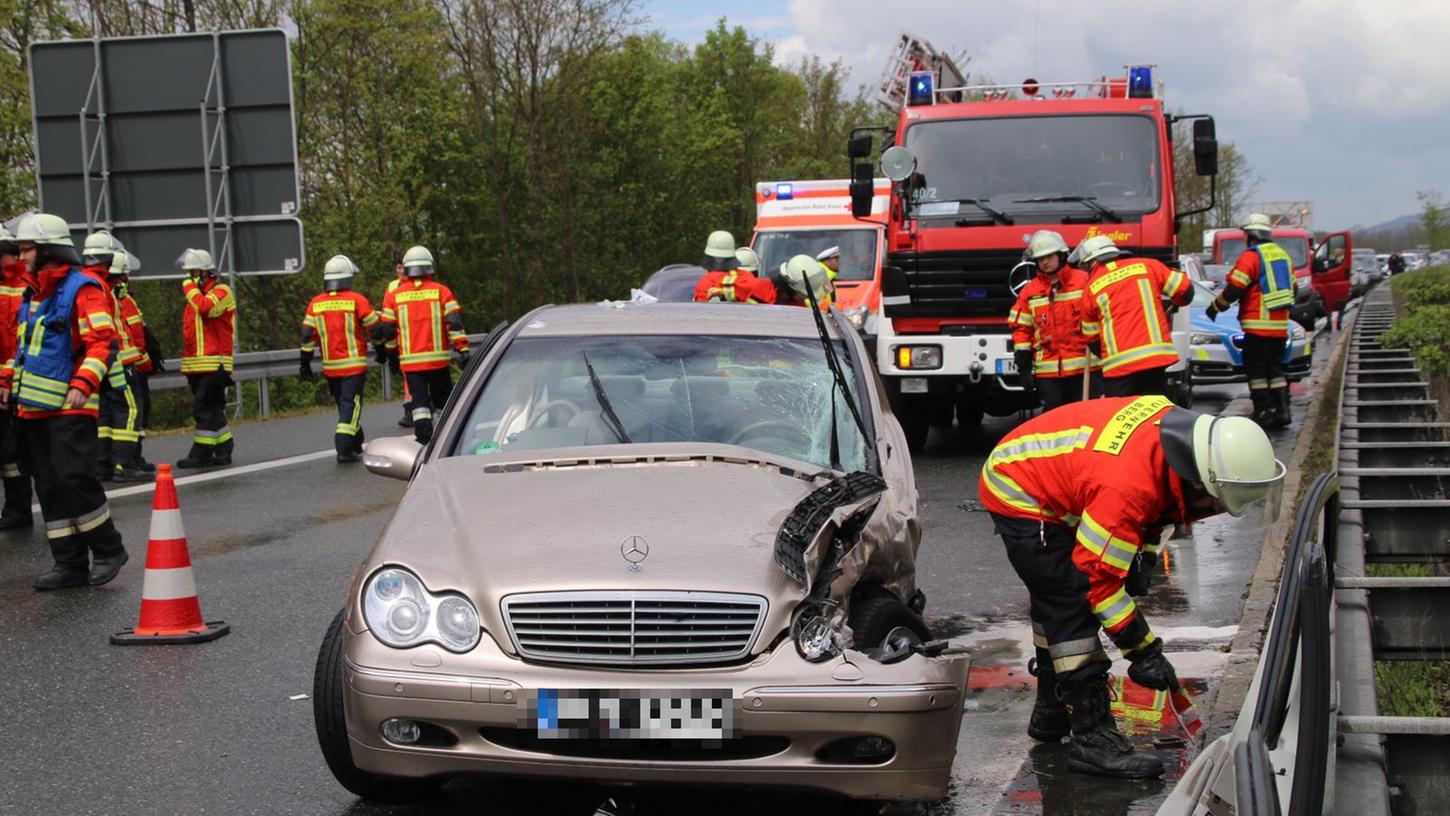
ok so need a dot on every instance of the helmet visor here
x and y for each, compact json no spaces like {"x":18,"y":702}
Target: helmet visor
{"x":418,"y":270}
{"x":1255,"y":506}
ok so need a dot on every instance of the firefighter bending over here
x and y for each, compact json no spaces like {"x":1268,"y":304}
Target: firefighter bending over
{"x":1079,"y":496}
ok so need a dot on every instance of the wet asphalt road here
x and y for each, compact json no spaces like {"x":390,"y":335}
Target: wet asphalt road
{"x":97,"y":729}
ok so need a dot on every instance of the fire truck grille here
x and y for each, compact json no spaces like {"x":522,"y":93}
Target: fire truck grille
{"x":634,"y":628}
{"x":957,"y":284}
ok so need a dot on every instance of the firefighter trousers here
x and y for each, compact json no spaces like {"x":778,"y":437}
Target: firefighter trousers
{"x":1153,"y":381}
{"x":1056,"y":392}
{"x":209,"y":406}
{"x":1264,"y":362}
{"x":347,"y":392}
{"x":429,"y":390}
{"x":1041,"y":553}
{"x":17,"y":484}
{"x":119,"y":424}
{"x":59,"y":452}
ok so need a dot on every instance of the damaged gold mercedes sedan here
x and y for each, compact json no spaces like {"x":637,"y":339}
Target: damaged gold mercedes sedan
{"x":648,"y":543}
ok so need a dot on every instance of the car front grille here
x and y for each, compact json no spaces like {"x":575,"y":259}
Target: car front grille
{"x":633,"y":628}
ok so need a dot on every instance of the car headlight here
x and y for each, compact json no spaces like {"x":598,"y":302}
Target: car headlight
{"x":856,"y":316}
{"x":816,"y":632}
{"x":1204,"y":340}
{"x":401,"y":612}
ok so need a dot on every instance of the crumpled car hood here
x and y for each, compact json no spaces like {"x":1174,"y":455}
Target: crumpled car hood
{"x":708,"y":526}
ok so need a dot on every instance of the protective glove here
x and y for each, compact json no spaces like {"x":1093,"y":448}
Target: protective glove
{"x":1140,"y":574}
{"x":463,"y":355}
{"x":1151,"y":669}
{"x":1211,"y":312}
{"x":1023,"y":358}
{"x":304,"y":369}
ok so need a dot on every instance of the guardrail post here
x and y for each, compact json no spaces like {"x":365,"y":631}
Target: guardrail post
{"x":387,"y":383}
{"x":266,"y":398}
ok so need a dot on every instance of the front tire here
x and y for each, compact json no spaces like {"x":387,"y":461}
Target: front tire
{"x":881,"y":622}
{"x":915,"y":418}
{"x":331,"y":722}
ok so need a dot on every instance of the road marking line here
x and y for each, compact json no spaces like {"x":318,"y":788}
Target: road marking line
{"x":211,"y":476}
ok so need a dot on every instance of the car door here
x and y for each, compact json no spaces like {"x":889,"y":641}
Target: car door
{"x":1332,"y":263}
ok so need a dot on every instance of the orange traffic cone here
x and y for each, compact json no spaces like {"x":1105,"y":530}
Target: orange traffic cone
{"x":170,"y":611}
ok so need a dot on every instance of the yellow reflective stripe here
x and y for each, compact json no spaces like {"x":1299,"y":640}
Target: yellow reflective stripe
{"x":1117,"y":274}
{"x":1075,"y":294}
{"x":1171,"y":285}
{"x":1041,"y":446}
{"x":436,"y":320}
{"x":350,"y":328}
{"x":95,"y":366}
{"x":350,"y":362}
{"x":1091,"y":328}
{"x":1110,"y":343}
{"x":1108,"y":548}
{"x":1009,"y":491}
{"x":1150,"y":314}
{"x":1115,"y":609}
{"x":1073,"y":654}
{"x":1264,"y":324}
{"x":225,"y":303}
{"x":1115,"y":360}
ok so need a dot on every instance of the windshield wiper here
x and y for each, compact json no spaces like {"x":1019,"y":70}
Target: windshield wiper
{"x":1090,"y":201}
{"x":839,"y":377}
{"x":611,"y":418}
{"x":981,"y":204}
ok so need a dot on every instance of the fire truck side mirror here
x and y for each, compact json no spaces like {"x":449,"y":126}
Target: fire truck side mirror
{"x":859,"y":147}
{"x":863,"y":188}
{"x":1205,"y":147}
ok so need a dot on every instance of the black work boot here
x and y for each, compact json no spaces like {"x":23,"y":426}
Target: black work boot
{"x":1049,"y":715}
{"x":407,"y":420}
{"x":103,"y":570}
{"x":14,"y":518}
{"x":61,"y":578}
{"x":199,"y":457}
{"x":105,"y":471}
{"x":1097,"y":746}
{"x":133,"y":473}
{"x":1279,"y":404}
{"x":1262,"y":415}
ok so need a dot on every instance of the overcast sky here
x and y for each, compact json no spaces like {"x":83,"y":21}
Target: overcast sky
{"x":1344,"y":103}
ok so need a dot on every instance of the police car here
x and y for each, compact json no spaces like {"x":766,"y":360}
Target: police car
{"x":1216,"y":347}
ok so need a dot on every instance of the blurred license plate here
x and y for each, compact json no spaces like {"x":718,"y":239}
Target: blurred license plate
{"x":1006,"y":365}
{"x":913,"y":385}
{"x":643,"y":714}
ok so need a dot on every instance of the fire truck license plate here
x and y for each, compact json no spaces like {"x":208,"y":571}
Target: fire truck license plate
{"x":1006,"y":365}
{"x":913,"y":385}
{"x":639,"y":714}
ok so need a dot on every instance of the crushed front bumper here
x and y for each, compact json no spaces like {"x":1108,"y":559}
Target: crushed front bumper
{"x":788,"y":711}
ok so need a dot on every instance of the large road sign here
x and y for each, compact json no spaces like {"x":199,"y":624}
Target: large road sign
{"x":173,"y":142}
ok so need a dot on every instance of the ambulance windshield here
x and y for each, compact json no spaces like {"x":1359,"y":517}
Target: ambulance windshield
{"x":858,"y":249}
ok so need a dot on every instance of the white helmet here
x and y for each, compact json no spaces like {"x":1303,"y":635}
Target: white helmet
{"x":50,"y":234}
{"x":1095,"y":249}
{"x":1044,"y":243}
{"x":747,"y":259}
{"x":418,"y":262}
{"x":1231,"y":456}
{"x":133,"y":264}
{"x":196,"y":260}
{"x":1258,"y":226}
{"x":829,"y":253}
{"x":101,"y":248}
{"x":803,"y":273}
{"x":120,"y":264}
{"x":338,"y":272}
{"x":7,"y":241}
{"x":720,"y":244}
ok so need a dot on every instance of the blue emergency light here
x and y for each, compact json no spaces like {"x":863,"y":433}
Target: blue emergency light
{"x":1140,"y":82}
{"x":919,"y":90}
{"x":784,"y":191}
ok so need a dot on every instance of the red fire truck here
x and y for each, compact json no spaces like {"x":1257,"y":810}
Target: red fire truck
{"x":976,"y":170}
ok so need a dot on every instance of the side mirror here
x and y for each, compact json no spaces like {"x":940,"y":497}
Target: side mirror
{"x":858,"y":147}
{"x":863,"y":189}
{"x":393,"y":456}
{"x":1205,"y":147}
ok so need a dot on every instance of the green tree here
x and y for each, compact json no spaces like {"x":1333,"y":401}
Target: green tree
{"x":1434,"y":229}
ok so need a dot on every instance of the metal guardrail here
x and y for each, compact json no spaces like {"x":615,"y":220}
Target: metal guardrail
{"x":262,"y":366}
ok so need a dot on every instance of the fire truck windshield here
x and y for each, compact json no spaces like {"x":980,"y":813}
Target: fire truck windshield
{"x":1110,"y":160}
{"x":858,"y":248}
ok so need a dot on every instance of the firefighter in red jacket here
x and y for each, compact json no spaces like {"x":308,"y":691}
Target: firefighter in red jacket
{"x":65,"y":339}
{"x":725,"y":281}
{"x":118,"y":430}
{"x":14,"y":280}
{"x":422,"y":321}
{"x":1047,"y":340}
{"x":208,"y":332}
{"x":338,"y":322}
{"x":1125,"y":318}
{"x":1262,"y":281}
{"x":1079,"y":496}
{"x":385,"y":358}
{"x":150,"y":359}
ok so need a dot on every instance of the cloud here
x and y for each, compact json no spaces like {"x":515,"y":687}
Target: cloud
{"x":1307,"y":88}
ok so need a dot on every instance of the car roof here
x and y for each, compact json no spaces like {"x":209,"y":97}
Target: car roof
{"x":613,"y":317}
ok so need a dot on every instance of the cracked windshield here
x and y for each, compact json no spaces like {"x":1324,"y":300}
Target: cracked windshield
{"x":773,"y":395}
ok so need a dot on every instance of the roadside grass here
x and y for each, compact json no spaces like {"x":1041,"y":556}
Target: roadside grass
{"x":1407,"y":688}
{"x":1384,"y":570}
